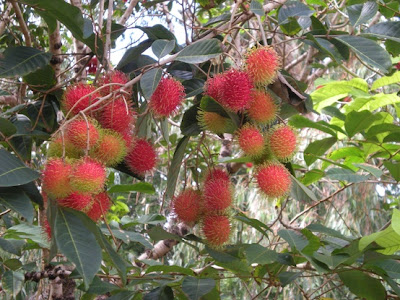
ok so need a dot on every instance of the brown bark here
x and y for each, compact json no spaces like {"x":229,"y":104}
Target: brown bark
{"x":55,"y":49}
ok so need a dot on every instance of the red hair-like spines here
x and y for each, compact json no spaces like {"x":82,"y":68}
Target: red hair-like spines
{"x":262,"y":65}
{"x":187,"y":206}
{"x":142,"y":157}
{"x":273,"y":180}
{"x":167,"y":97}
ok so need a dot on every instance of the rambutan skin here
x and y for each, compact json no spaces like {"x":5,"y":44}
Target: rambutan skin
{"x":116,"y":79}
{"x":217,"y":195}
{"x":142,"y":157}
{"x":77,"y":201}
{"x":55,"y":178}
{"x":251,"y":141}
{"x":273,"y":180}
{"x":56,"y":149}
{"x":282,"y":142}
{"x":187,"y":206}
{"x":216,"y":174}
{"x":213,"y":87}
{"x":167,"y":97}
{"x":262,"y":65}
{"x":110,"y":149}
{"x":78,"y":130}
{"x":76,"y":97}
{"x":216,"y":229}
{"x":88,"y":176}
{"x":262,"y":108}
{"x":236,"y":90}
{"x":118,"y":115}
{"x":214,"y":122}
{"x":47,"y":229}
{"x":101,"y":204}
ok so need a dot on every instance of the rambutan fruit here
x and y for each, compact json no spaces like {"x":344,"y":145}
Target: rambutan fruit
{"x":216,"y":229}
{"x":118,"y":115}
{"x":110,"y":149}
{"x":282,"y":142}
{"x":112,"y":81}
{"x":142,"y":157}
{"x":236,"y":90}
{"x":214,"y":122}
{"x":78,"y":97}
{"x":251,"y":141}
{"x":216,"y":174}
{"x":77,"y":201}
{"x":56,"y":149}
{"x":167,"y":97}
{"x":262,"y":65}
{"x":80,"y":131}
{"x":262,"y":108}
{"x":187,"y":206}
{"x":88,"y":176}
{"x":217,"y":195}
{"x":128,"y":138}
{"x":56,"y":178}
{"x":101,"y":204}
{"x":47,"y":228}
{"x":213,"y":87}
{"x":273,"y":179}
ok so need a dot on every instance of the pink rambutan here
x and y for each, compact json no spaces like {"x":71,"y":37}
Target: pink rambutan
{"x":262,"y":108}
{"x":55,"y":178}
{"x":110,"y":149}
{"x":217,"y":195}
{"x":262,"y":65}
{"x":167,"y":97}
{"x":101,"y":204}
{"x":187,"y":206}
{"x":216,"y":229}
{"x":114,"y":81}
{"x":56,"y":148}
{"x":282,"y":142}
{"x":79,"y":131}
{"x":273,"y":180}
{"x":78,"y":97}
{"x":118,"y":115}
{"x":213,"y":87}
{"x":88,"y":176}
{"x":235,"y":94}
{"x":77,"y":201}
{"x":251,"y":141}
{"x":142,"y":157}
{"x":216,"y":174}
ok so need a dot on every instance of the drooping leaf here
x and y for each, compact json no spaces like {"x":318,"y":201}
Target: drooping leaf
{"x":12,"y":282}
{"x":7,"y":128}
{"x":258,"y":225}
{"x":385,"y":30}
{"x":149,"y":82}
{"x":161,"y":48}
{"x":258,"y":254}
{"x":345,"y":175}
{"x":371,"y":169}
{"x":287,"y":277}
{"x":361,"y":13}
{"x":200,"y":52}
{"x":26,"y":231}
{"x":363,"y":285}
{"x":140,"y":187}
{"x":190,"y":125}
{"x":17,"y":200}
{"x":157,"y":233}
{"x":394,"y":169}
{"x":295,"y":240}
{"x":300,"y":192}
{"x":317,"y":148}
{"x":299,"y":121}
{"x":195,"y":288}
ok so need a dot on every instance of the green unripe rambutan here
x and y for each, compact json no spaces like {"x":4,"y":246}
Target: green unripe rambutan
{"x":110,"y":149}
{"x":215,"y":122}
{"x":88,"y":176}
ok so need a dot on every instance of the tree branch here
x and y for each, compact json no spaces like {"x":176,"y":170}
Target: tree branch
{"x":128,"y":12}
{"x":22,"y":24}
{"x":5,"y":18}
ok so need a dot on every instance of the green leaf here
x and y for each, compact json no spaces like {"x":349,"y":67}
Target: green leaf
{"x":128,"y":236}
{"x":372,"y":103}
{"x":257,"y":8}
{"x":294,"y":239}
{"x":287,"y":277}
{"x":133,"y":54}
{"x":312,"y":176}
{"x":357,"y":121}
{"x":26,"y":231}
{"x":42,"y":79}
{"x":381,"y":128}
{"x":21,"y":60}
{"x":317,"y":148}
{"x":157,"y":32}
{"x":12,"y":282}
{"x":140,"y":187}
{"x":300,"y":192}
{"x":299,"y":121}
{"x":261,"y":227}
{"x":345,"y":175}
{"x":78,"y":244}
{"x":193,"y":87}
{"x":385,"y":30}
{"x":334,"y":112}
{"x":371,"y":169}
{"x":390,"y":266}
{"x":100,"y":287}
{"x":161,"y":293}
{"x":293,"y":9}
{"x":161,"y":48}
{"x":394,"y":169}
{"x":363,"y":285}
{"x":195,"y":288}
{"x":386,"y":80}
{"x":6,"y":127}
{"x":257,"y":254}
{"x":388,"y":239}
{"x":209,"y":104}
{"x":200,"y":51}
{"x":169,"y":269}
{"x":313,"y":242}
{"x":17,"y":200}
{"x":175,"y":167}
{"x":124,"y":295}
{"x":12,"y":246}
{"x":369,"y":51}
{"x":149,"y":82}
{"x":361,"y":13}
{"x":157,"y":233}
{"x":13,"y":172}
{"x":243,"y":159}
{"x":189,"y":125}
{"x":393,"y":284}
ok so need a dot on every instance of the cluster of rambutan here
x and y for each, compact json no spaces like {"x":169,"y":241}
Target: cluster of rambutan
{"x":244,"y":91}
{"x":210,"y":207}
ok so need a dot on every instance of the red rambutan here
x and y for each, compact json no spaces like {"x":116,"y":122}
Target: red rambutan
{"x":128,"y":138}
{"x":262,"y":65}
{"x":262,"y":108}
{"x":282,"y":142}
{"x":56,"y":149}
{"x":187,"y":206}
{"x":216,"y":229}
{"x":213,"y":87}
{"x":142,"y":157}
{"x":167,"y":97}
{"x":217,"y":195}
{"x":88,"y":176}
{"x":118,"y":115}
{"x":77,"y":201}
{"x":79,"y":132}
{"x":101,"y":204}
{"x":235,"y":91}
{"x":47,"y":229}
{"x":273,"y":180}
{"x":78,"y":97}
{"x":55,"y":178}
{"x":110,"y":149}
{"x":216,"y":174}
{"x":251,"y":141}
{"x":115,"y":79}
